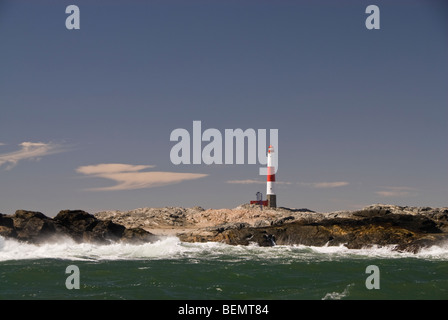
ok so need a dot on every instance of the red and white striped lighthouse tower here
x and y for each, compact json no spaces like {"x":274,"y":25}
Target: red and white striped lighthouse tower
{"x":270,"y":193}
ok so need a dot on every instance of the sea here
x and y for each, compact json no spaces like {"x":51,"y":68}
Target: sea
{"x":169,"y":269}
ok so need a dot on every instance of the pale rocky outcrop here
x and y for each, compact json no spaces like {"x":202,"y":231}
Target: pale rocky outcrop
{"x":409,"y":228}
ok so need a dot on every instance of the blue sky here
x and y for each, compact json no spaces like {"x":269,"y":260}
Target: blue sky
{"x":362,"y":114}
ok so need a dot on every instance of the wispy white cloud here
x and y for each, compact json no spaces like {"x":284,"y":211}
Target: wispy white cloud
{"x":325,"y":184}
{"x":396,"y":191}
{"x":106,"y":168}
{"x":28,"y":151}
{"x":131,"y":177}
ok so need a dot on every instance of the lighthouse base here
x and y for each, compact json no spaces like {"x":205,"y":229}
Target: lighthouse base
{"x":272,"y":200}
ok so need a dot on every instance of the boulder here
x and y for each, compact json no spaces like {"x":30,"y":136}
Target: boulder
{"x":85,"y":227}
{"x":7,"y":226}
{"x":75,"y":222}
{"x":35,"y":227}
{"x":109,"y":230}
{"x":138,"y":235}
{"x":32,"y":226}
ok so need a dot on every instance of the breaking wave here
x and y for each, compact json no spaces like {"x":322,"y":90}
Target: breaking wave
{"x":173,"y":248}
{"x":338,"y":295}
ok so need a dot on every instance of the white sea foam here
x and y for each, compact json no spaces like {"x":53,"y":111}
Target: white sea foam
{"x":438,"y":252}
{"x":68,"y":249}
{"x":173,"y":248}
{"x":338,"y":295}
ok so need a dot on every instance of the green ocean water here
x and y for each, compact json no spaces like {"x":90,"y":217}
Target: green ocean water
{"x":170,"y":269}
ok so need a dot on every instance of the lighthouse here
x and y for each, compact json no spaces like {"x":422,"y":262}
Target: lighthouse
{"x":270,"y":192}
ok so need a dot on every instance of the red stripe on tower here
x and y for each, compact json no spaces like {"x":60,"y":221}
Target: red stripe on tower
{"x":271,"y":174}
{"x":272,"y":199}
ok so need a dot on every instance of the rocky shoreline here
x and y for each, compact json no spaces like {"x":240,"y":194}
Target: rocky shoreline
{"x":406,"y":228}
{"x":78,"y":225}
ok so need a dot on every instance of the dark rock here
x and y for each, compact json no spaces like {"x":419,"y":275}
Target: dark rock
{"x":85,"y":227}
{"x":103,"y":232}
{"x":441,"y":219}
{"x":297,"y":210}
{"x":269,"y":240}
{"x":76,"y":220}
{"x":6,"y":221}
{"x":229,"y":226}
{"x":33,"y":226}
{"x":7,"y":226}
{"x":78,"y":225}
{"x":138,"y":235}
{"x":415,"y":223}
{"x":374,"y":212}
{"x":282,"y":220}
{"x":109,"y":230}
{"x":407,"y":232}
